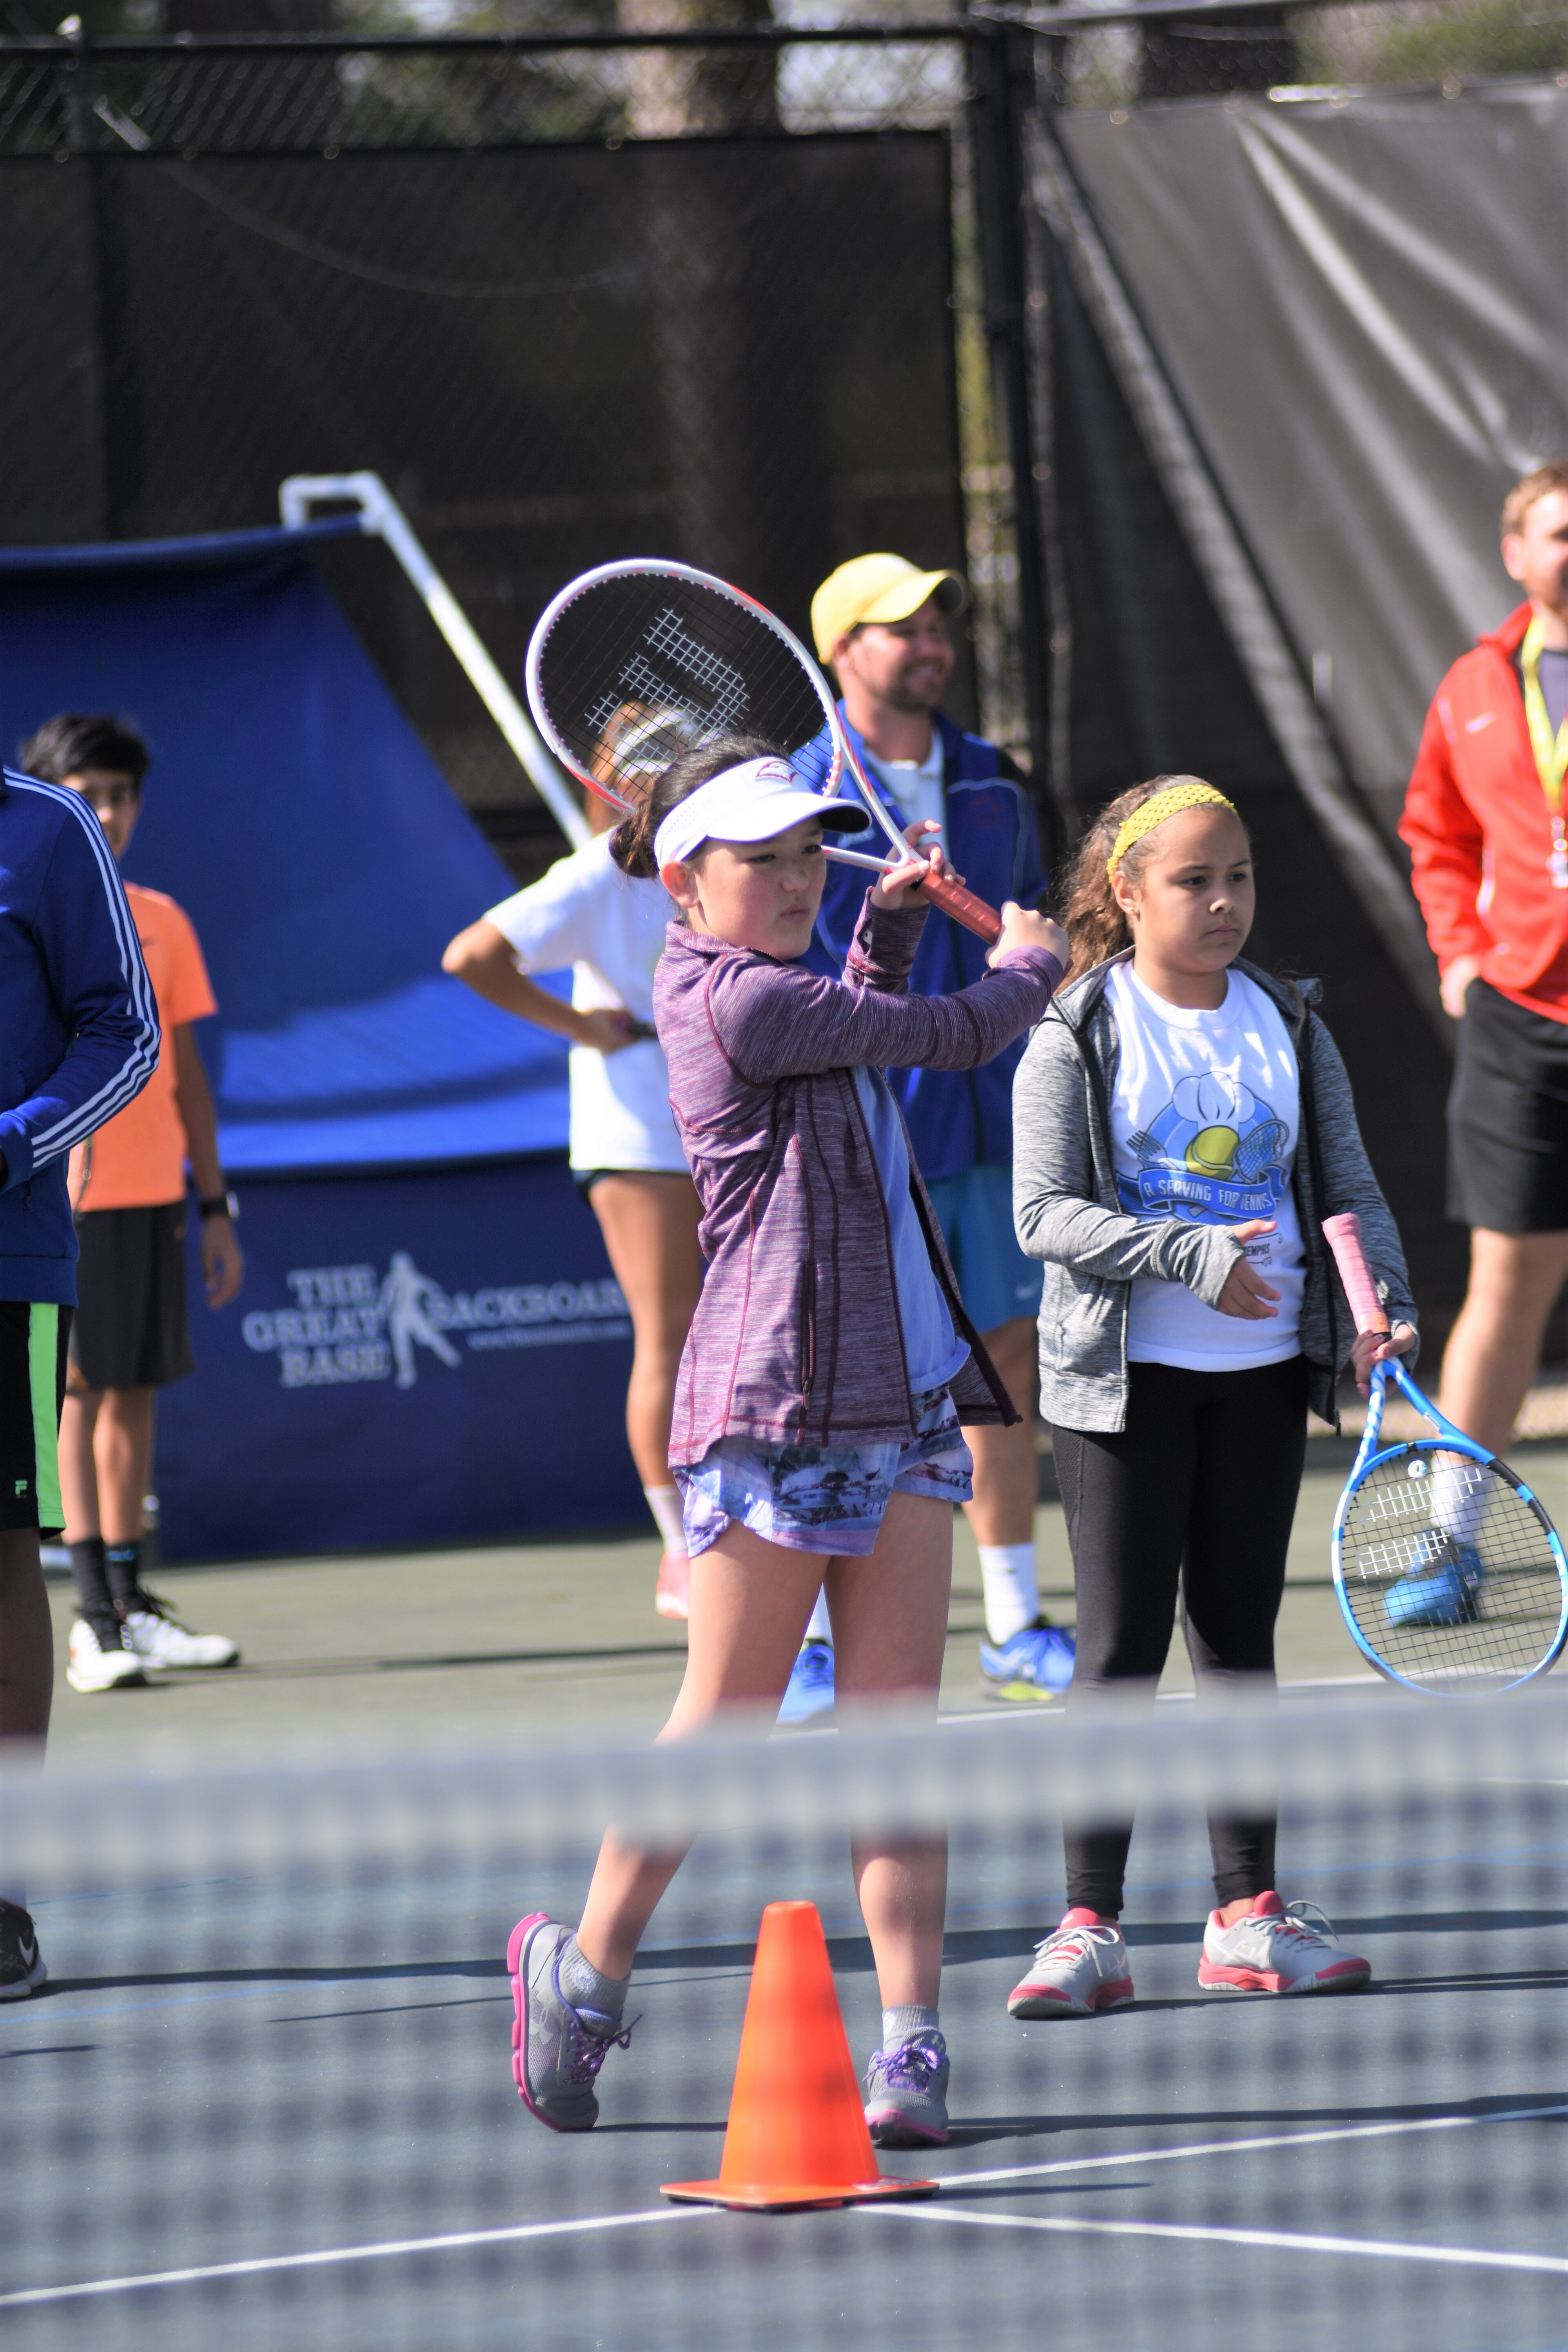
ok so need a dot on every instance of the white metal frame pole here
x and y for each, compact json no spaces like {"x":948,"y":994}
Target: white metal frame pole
{"x":381,"y":517}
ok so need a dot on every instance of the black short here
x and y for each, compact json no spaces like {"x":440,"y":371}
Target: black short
{"x":130,"y":1330}
{"x":586,"y":1178}
{"x":33,"y":1343}
{"x":1508,"y":1119}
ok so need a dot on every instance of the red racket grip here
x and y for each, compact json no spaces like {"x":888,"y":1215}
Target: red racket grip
{"x":964,"y":907}
{"x":1343,"y":1237}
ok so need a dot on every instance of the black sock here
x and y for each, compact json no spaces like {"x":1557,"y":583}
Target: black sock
{"x":123,"y":1564}
{"x":93,"y":1596}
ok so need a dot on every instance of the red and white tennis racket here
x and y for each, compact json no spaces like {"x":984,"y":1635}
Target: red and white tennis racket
{"x":637,"y":662}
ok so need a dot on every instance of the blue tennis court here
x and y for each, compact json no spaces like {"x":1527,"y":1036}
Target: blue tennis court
{"x":270,"y":2102}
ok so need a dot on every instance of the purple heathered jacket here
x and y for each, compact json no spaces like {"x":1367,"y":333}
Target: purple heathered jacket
{"x":797,"y":1337}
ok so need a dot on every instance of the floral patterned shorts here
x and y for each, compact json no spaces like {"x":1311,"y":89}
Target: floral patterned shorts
{"x":824,"y":1499}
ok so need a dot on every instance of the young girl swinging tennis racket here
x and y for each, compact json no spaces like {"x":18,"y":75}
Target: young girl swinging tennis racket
{"x":817,"y":1421}
{"x":1184,"y":1123}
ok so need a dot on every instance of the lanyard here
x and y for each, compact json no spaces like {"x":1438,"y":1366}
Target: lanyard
{"x":1550,"y":751}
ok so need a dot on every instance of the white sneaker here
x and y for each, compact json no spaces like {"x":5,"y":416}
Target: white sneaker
{"x":1273,"y":1949}
{"x":101,"y":1657}
{"x":1081,"y":1968}
{"x":159,"y":1640}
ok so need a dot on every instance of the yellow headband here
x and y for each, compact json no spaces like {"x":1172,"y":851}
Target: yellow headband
{"x":1157,"y":808}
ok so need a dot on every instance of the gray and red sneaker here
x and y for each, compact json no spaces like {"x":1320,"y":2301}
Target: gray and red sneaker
{"x":556,"y":2050}
{"x":1082,"y":1967}
{"x":1277,"y":1949}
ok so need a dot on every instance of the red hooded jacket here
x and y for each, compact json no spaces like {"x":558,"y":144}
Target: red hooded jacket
{"x":1479,"y":832}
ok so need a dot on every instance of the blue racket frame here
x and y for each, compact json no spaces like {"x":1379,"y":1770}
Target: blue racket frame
{"x":1449,"y":1440}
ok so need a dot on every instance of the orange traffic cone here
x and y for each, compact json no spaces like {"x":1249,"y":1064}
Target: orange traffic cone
{"x":797,"y":2132}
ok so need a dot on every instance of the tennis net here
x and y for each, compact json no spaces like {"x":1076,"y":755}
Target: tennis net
{"x":265,"y":2098}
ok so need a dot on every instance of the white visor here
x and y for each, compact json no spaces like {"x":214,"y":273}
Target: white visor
{"x":751,"y":803}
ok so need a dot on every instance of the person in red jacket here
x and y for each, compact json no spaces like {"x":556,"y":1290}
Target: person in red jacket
{"x":1485,"y":821}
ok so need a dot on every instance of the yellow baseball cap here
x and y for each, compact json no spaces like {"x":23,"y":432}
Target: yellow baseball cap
{"x":876,"y":588}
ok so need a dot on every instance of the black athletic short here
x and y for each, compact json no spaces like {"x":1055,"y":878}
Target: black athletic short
{"x":1508,"y":1119}
{"x":33,"y":1343}
{"x":586,"y":1178}
{"x":130,"y":1330}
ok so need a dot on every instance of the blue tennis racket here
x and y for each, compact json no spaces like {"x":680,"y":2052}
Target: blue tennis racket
{"x":1449,"y":1574}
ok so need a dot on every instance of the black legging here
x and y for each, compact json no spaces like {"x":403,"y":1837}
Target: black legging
{"x":1195,"y":1498}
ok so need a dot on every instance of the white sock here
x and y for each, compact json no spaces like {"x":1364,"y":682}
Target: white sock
{"x":1012,"y":1596}
{"x":819,"y":1626}
{"x":664,"y":1502}
{"x":905,"y":2023}
{"x":1461,"y":1490}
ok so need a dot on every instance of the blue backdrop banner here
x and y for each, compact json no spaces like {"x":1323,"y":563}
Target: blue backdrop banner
{"x":418,"y":1359}
{"x":297,"y":818}
{"x":416,"y":1356}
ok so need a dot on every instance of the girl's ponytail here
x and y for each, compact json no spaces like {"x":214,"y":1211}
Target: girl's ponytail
{"x":631,"y":844}
{"x":1095,"y":924}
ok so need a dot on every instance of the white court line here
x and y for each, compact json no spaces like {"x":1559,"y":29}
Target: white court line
{"x":1283,"y":2241}
{"x":1276,"y":2139}
{"x":353,"y":2254}
{"x":526,"y":2230}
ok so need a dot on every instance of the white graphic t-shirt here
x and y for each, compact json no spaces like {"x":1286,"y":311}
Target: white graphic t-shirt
{"x":1204,"y":1122}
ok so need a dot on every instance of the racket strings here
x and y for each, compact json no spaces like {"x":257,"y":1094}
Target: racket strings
{"x":639,"y":667}
{"x":1449,"y":1571}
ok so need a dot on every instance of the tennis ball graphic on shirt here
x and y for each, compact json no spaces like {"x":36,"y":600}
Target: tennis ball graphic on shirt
{"x":1211,"y":1152}
{"x":1216,"y":1133}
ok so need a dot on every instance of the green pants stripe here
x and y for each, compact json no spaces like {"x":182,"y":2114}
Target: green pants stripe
{"x":43,"y":1374}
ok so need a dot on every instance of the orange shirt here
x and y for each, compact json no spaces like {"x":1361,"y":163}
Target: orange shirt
{"x":138,"y":1159}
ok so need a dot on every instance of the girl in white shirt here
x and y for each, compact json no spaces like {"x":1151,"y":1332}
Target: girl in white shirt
{"x":1182,"y":1125}
{"x":624,"y":1149}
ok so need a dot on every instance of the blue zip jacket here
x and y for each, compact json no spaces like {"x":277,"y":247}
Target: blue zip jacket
{"x":958,"y":1120}
{"x":78,"y":1023}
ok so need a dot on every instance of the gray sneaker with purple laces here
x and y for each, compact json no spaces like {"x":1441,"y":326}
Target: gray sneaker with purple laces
{"x":906,"y":2093}
{"x":556,"y":2050}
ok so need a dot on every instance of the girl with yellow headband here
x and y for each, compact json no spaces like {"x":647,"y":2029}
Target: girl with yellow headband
{"x":1183,"y":1124}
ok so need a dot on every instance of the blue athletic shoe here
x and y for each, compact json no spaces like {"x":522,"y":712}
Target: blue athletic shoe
{"x":1036,"y":1665}
{"x":808,"y":1700}
{"x":1442,"y":1588}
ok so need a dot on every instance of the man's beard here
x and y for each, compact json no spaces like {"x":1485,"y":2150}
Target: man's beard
{"x":916,"y":701}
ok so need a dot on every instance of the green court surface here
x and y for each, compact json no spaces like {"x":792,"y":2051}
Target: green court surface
{"x":525,"y":1637}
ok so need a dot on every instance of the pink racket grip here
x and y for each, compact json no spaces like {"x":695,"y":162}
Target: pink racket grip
{"x":964,"y":908}
{"x":1343,"y":1237}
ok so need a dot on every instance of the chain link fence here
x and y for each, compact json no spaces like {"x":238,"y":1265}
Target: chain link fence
{"x":576,"y":295}
{"x":721,"y":299}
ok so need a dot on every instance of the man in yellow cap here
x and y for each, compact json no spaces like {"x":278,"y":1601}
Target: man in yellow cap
{"x":882,"y":624}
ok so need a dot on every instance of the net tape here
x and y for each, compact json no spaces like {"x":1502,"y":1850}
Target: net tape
{"x":112,"y":1823}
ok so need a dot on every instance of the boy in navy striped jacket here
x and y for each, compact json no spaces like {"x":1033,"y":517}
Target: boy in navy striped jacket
{"x":79,"y":1039}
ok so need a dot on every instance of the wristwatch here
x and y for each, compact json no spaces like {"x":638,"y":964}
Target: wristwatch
{"x":219,"y":1204}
